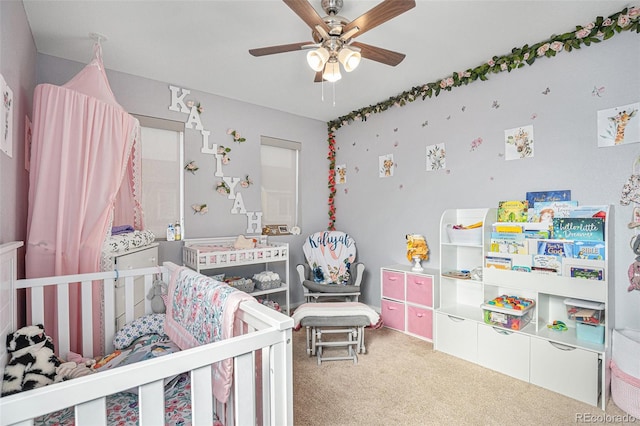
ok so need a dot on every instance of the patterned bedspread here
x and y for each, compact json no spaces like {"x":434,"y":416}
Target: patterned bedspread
{"x":202,"y":310}
{"x":122,"y":408}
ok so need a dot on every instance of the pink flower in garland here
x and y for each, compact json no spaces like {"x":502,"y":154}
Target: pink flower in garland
{"x":624,"y":20}
{"x":557,"y":46}
{"x":542,"y":49}
{"x":582,"y":33}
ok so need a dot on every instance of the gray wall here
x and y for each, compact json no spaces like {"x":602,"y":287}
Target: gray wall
{"x":17,"y":65}
{"x":378,"y":212}
{"x":152,"y":98}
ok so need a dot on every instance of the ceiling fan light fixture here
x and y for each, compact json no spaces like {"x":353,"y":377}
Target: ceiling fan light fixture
{"x":332,"y":71}
{"x":317,"y":58}
{"x":349,"y":59}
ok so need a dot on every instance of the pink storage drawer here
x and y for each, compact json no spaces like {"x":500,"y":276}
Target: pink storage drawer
{"x":420,"y":322}
{"x":393,"y":285}
{"x":392,"y":314}
{"x":419,"y":290}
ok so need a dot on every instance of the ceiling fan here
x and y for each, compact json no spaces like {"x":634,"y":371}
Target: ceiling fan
{"x":333,"y":36}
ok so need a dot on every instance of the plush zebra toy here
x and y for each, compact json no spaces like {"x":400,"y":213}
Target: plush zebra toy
{"x":33,"y":362}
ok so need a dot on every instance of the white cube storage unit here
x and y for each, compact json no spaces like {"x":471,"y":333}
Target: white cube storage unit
{"x":408,"y":299}
{"x":568,"y":362}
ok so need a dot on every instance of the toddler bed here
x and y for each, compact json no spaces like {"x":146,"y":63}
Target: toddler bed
{"x":176,"y":388}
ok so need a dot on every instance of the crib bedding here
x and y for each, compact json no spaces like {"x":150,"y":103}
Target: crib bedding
{"x":117,"y":389}
{"x":122,"y":408}
{"x":202,"y":311}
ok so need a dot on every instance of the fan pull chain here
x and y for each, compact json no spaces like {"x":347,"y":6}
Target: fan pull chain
{"x":334,"y":93}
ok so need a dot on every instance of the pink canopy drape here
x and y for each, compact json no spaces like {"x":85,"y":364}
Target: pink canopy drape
{"x":81,"y":157}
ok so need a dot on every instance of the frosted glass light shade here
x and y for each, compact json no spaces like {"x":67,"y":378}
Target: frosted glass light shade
{"x":332,"y":71}
{"x":349,"y":59}
{"x":317,"y":58}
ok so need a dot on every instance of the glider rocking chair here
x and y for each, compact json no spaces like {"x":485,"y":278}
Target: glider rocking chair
{"x":331,"y":271}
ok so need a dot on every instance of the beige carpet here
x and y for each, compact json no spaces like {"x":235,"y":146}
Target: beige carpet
{"x":403,"y":381}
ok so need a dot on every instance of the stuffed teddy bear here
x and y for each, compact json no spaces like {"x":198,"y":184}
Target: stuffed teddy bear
{"x":634,"y":276}
{"x":158,"y":289}
{"x":33,"y":362}
{"x":634,"y":268}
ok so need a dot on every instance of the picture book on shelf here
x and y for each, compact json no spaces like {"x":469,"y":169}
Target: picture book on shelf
{"x":512,"y":211}
{"x":537,"y":234}
{"x":510,"y":245}
{"x":543,"y":196}
{"x":545,"y":211}
{"x":512,"y":229}
{"x":593,"y":250}
{"x":581,"y":229}
{"x":589,"y":211}
{"x":561,"y":248}
{"x":497,"y":262}
{"x":586,"y":273}
{"x":547,"y":263}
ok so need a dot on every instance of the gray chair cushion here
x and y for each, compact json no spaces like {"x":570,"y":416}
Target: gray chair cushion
{"x":330,"y":288}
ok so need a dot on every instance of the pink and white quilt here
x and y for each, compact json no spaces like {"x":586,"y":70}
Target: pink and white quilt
{"x":202,"y":310}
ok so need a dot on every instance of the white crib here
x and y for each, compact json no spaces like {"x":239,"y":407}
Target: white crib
{"x":262,"y":391}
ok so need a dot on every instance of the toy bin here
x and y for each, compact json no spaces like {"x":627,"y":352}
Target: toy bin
{"x":585,"y":311}
{"x":471,"y":236}
{"x":593,"y":333}
{"x":510,"y":312}
{"x":625,"y":371}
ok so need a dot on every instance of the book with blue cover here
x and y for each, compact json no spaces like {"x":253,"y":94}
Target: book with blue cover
{"x":544,"y":196}
{"x":556,"y":248}
{"x":579,"y":229}
{"x":593,"y":250}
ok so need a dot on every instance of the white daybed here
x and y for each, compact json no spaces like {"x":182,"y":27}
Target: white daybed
{"x":261,"y":391}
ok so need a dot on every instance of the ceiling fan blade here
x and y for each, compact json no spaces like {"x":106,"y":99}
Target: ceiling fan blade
{"x":318,"y":77}
{"x":307,"y":13}
{"x":379,"y":54}
{"x":380,"y":14}
{"x":279,"y":49}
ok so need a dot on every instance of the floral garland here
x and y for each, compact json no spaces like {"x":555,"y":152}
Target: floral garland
{"x":628,"y":19}
{"x":593,"y":32}
{"x":332,"y":181}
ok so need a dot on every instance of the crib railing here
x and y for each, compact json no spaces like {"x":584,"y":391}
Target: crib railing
{"x":62,"y":285}
{"x":262,"y":379}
